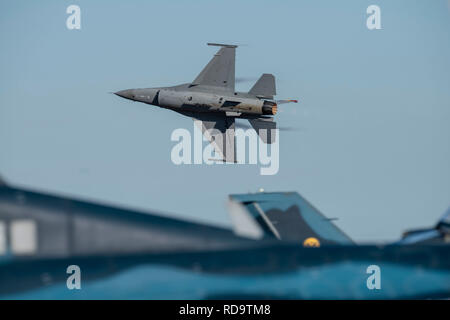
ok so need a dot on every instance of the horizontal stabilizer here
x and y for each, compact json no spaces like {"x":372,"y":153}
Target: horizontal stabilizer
{"x":264,"y":87}
{"x":264,"y":126}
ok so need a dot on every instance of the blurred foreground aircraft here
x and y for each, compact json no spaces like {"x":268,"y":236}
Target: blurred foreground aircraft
{"x":280,"y":247}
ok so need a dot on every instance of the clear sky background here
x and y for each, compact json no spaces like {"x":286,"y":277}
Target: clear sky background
{"x":372,"y":138}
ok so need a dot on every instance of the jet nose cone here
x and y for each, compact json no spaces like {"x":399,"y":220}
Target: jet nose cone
{"x":127,"y":94}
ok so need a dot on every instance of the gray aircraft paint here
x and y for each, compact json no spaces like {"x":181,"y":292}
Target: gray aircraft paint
{"x":211,"y":99}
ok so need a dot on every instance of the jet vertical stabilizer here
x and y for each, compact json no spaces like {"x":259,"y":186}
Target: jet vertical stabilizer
{"x":287,"y":216}
{"x":265,"y":87}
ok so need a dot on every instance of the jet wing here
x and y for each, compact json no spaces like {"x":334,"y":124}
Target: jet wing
{"x":219,"y":130}
{"x":219,"y":72}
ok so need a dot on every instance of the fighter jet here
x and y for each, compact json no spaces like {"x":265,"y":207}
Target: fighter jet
{"x":211,"y":98}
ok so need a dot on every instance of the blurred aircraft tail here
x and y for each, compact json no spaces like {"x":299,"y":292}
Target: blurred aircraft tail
{"x":287,"y":216}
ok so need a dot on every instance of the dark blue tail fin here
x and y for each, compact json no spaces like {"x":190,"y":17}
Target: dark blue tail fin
{"x":288,"y":216}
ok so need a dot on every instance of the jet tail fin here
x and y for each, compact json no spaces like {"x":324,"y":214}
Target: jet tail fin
{"x":287,"y":216}
{"x":264,"y":87}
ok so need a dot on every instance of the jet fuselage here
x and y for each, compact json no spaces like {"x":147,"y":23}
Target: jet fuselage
{"x":191,"y":99}
{"x":213,"y":103}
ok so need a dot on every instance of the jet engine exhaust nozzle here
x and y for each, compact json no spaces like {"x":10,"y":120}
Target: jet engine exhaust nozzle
{"x":269,"y":108}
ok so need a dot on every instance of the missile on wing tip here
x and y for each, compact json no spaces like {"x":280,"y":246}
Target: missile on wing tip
{"x":222,"y":45}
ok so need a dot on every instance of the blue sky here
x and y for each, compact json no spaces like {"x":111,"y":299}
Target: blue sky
{"x":372,"y":138}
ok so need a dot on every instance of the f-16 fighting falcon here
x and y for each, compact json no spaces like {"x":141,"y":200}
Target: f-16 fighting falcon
{"x":211,"y":98}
